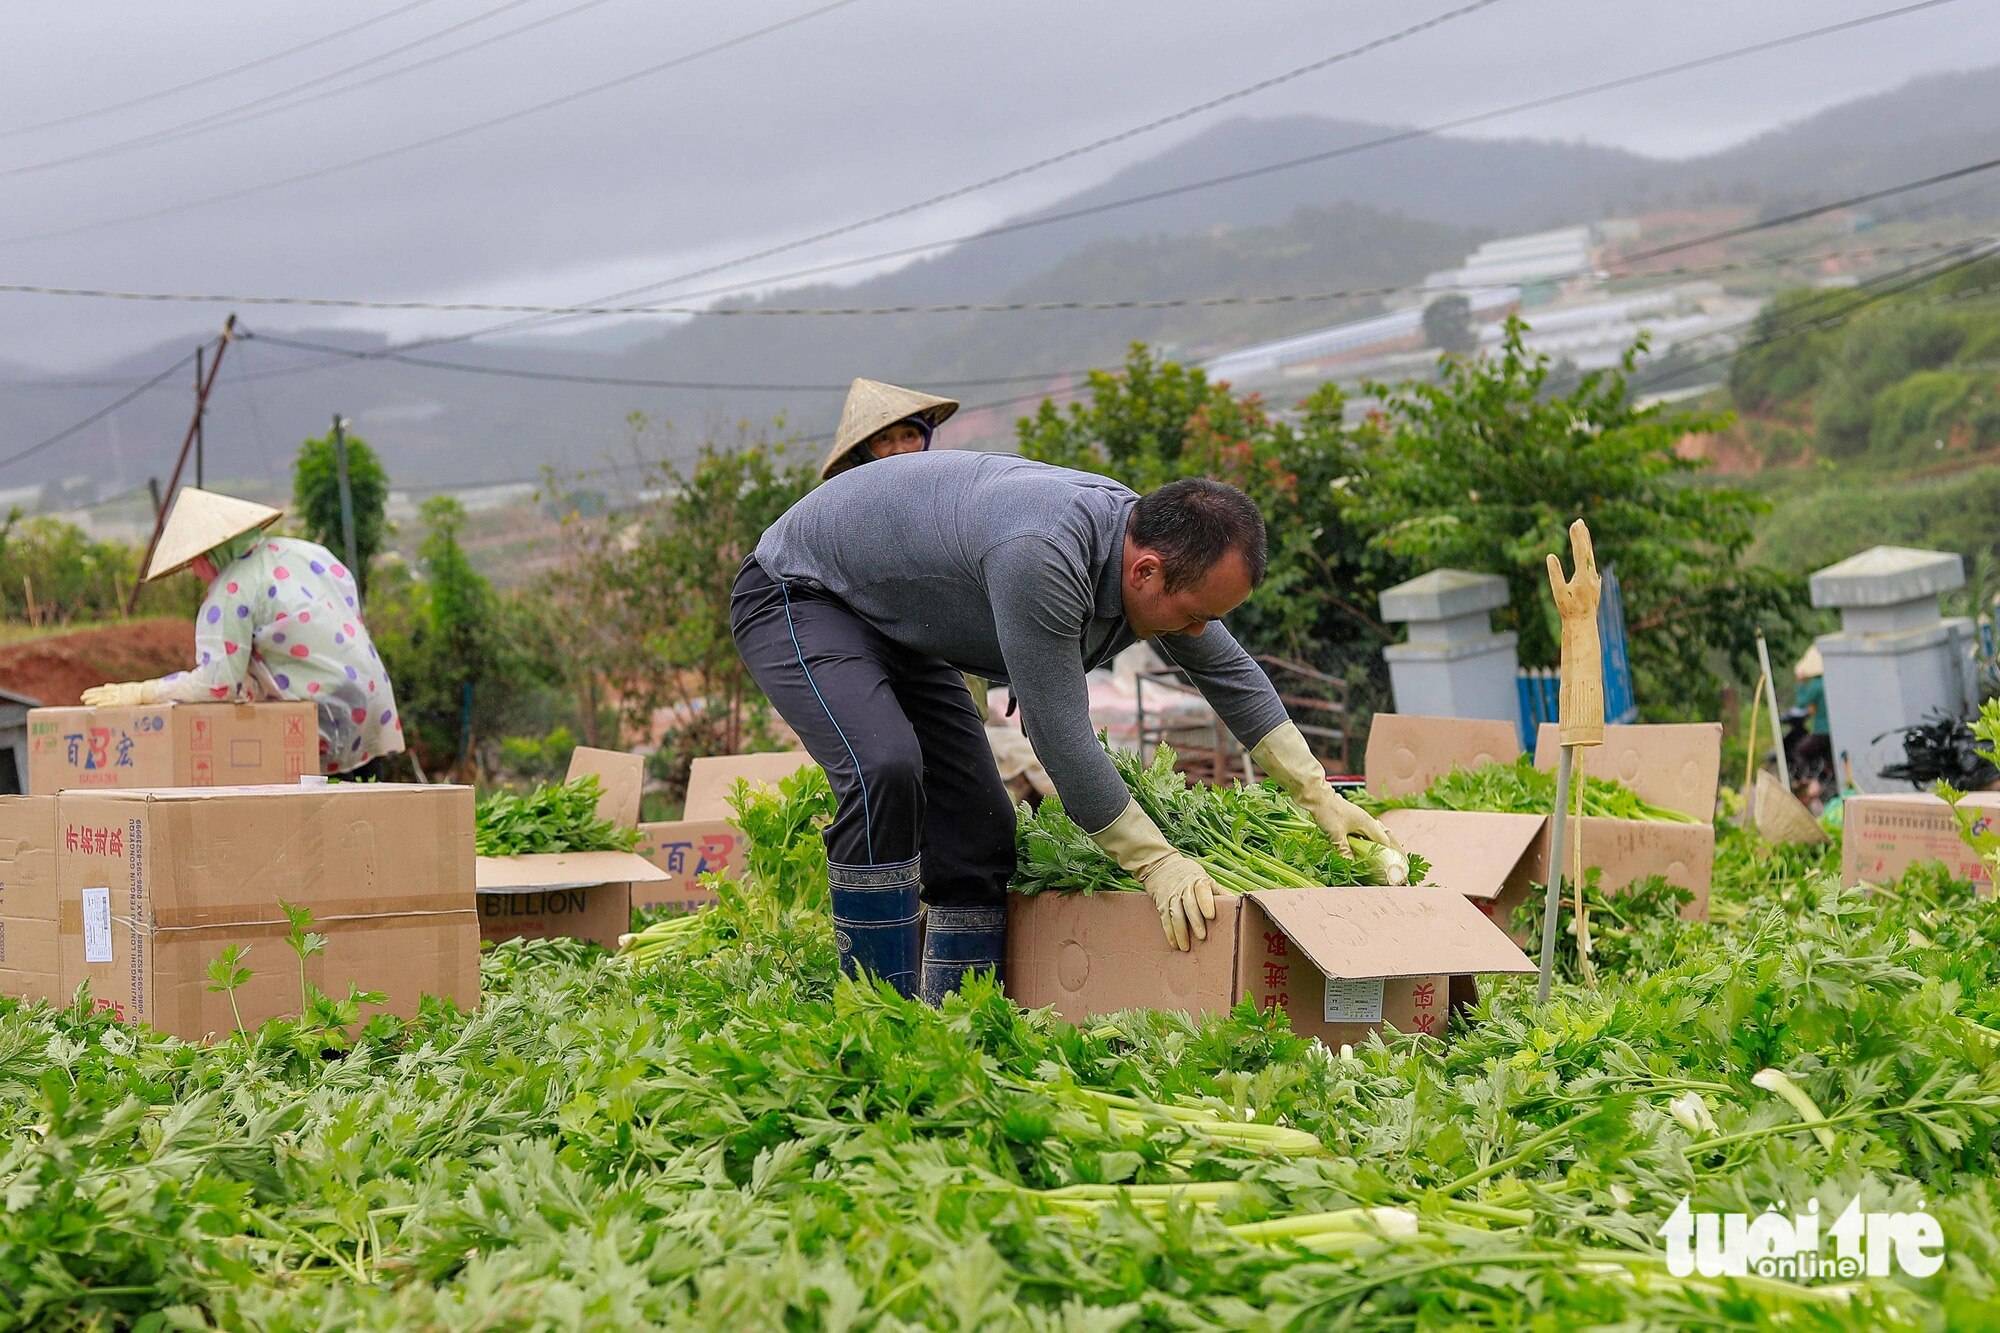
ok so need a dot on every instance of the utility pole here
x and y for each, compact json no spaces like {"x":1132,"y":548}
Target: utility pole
{"x":200,"y":411}
{"x":346,"y":499}
{"x":187,"y":444}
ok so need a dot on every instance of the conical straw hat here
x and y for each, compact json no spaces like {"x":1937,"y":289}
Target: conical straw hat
{"x":1780,"y":817}
{"x":870,"y":406}
{"x":199,"y":522}
{"x":1810,"y":665}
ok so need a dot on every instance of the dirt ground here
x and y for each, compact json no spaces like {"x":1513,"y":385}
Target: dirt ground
{"x":56,"y":670}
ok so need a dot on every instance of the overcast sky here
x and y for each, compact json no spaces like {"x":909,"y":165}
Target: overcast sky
{"x":860,"y":107}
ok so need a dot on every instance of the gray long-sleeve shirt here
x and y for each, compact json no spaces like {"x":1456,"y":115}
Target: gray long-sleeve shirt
{"x":1011,"y":570}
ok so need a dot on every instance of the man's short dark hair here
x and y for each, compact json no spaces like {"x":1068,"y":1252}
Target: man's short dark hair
{"x":1192,"y":523}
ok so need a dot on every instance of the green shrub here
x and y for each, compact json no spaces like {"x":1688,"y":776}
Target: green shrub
{"x":1922,"y":411}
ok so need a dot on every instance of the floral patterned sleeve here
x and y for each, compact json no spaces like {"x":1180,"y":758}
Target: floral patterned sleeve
{"x":222,"y":654}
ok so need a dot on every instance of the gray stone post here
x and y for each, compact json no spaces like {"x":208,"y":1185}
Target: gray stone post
{"x":1896,"y":658}
{"x":1453,"y":664}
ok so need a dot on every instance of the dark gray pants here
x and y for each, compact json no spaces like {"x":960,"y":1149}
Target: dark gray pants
{"x":922,"y":811}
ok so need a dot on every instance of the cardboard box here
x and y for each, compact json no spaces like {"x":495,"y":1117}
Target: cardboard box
{"x":1885,"y":834}
{"x":584,"y":895}
{"x":1340,"y":962}
{"x":1408,"y":752}
{"x":711,"y":779}
{"x":30,"y":962}
{"x":1675,"y":767}
{"x":155,"y":884}
{"x":683,"y":851}
{"x":703,"y":841}
{"x":171,"y":745}
{"x":1494,"y":859}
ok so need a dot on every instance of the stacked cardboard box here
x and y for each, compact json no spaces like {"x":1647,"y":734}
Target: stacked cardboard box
{"x":149,"y":888}
{"x":171,"y":745}
{"x":585,"y":895}
{"x":704,"y":841}
{"x":30,"y":963}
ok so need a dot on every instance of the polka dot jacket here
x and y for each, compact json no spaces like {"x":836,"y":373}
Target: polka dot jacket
{"x":282,"y":621}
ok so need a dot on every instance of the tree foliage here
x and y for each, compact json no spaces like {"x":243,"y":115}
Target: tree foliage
{"x":1484,"y":471}
{"x":470,"y":664}
{"x":1893,"y":374}
{"x":316,"y":499}
{"x":655,"y":591}
{"x":53,"y":572}
{"x":1781,"y":356}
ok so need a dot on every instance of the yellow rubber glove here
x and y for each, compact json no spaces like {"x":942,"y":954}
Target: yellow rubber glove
{"x":1178,"y":886}
{"x":129,"y":694}
{"x":1285,"y":755}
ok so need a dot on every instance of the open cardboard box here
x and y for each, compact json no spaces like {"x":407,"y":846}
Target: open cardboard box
{"x":1495,"y":860}
{"x":1489,"y":856}
{"x":1885,"y":834}
{"x":154,"y":885}
{"x":171,"y":745}
{"x":586,"y":895}
{"x":30,"y":961}
{"x":704,"y":841}
{"x":1341,"y":962}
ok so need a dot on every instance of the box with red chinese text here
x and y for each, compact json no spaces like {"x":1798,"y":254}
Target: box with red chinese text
{"x":582,"y":895}
{"x":171,"y":745}
{"x":704,"y":841}
{"x":30,"y":962}
{"x":1340,"y":962}
{"x":1883,"y":834}
{"x":155,"y":885}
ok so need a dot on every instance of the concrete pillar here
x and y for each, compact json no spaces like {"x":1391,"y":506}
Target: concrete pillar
{"x":1453,"y":664}
{"x":1896,"y":657}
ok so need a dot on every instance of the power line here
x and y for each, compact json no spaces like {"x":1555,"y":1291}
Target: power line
{"x":259,"y":107}
{"x":619,"y":380}
{"x":359,"y":354}
{"x":936,"y":308}
{"x":1801,"y":215}
{"x":1348,"y":150}
{"x":219,"y":75}
{"x":447,"y":136}
{"x":96,"y":416}
{"x":560,"y":476}
{"x":1055,"y":159}
{"x":1886,"y":286}
{"x":1008,"y":228}
{"x":129,"y":493}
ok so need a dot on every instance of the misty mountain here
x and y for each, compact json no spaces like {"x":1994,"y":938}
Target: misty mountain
{"x":1380,"y":217}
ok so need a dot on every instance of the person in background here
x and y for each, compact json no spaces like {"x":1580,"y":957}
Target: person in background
{"x":1815,"y":752}
{"x":282,"y":620}
{"x":880,"y":421}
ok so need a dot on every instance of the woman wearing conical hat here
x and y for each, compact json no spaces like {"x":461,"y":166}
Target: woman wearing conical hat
{"x":881,"y":420}
{"x":282,"y":620}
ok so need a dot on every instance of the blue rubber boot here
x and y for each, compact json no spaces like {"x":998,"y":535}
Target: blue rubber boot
{"x":958,"y":941}
{"x":875,"y":921}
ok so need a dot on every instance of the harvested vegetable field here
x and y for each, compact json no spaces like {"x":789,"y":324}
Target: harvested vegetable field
{"x":708,"y":1131}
